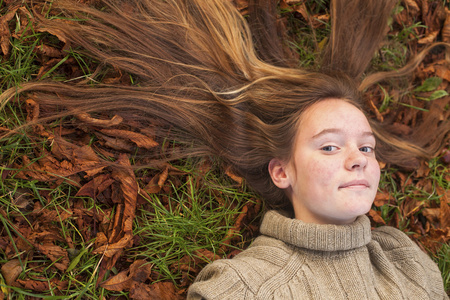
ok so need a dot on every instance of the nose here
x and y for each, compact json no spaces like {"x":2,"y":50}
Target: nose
{"x":355,"y":160}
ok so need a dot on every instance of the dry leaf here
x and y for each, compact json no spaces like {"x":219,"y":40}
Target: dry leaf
{"x":43,"y":285}
{"x":48,"y":51}
{"x":444,"y":217}
{"x":376,"y":217}
{"x":56,"y":254}
{"x":95,"y":186}
{"x":443,"y":72}
{"x":23,"y":199}
{"x":116,"y":120}
{"x":139,"y":272}
{"x":119,"y":282}
{"x":163,"y":177}
{"x":100,"y":240}
{"x":429,"y":38}
{"x":50,"y":64}
{"x":423,"y":170}
{"x":381,"y":198}
{"x":205,"y":253}
{"x":446,"y":28}
{"x":116,"y":144}
{"x":157,"y":291}
{"x":55,"y":31}
{"x":139,"y":139}
{"x":233,"y":176}
{"x":123,"y":231}
{"x":5,"y":34}
{"x":152,"y":186}
{"x":11,"y":271}
{"x":432,"y":214}
{"x":412,"y":6}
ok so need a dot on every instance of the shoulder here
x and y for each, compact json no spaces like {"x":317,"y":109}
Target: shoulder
{"x":407,"y":257}
{"x":242,"y":276}
{"x":218,"y":280}
{"x":391,"y":238}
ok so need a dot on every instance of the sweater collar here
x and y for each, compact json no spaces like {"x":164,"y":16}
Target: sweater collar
{"x":316,"y":236}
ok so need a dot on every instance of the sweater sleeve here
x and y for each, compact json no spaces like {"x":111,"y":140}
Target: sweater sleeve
{"x":402,"y":249}
{"x":219,"y":280}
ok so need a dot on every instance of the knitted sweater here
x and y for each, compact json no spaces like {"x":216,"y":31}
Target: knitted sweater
{"x":296,"y":260}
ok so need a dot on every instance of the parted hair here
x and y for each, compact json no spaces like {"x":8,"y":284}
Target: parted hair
{"x":222,"y":84}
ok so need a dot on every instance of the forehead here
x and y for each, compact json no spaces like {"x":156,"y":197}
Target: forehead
{"x":331,"y":114}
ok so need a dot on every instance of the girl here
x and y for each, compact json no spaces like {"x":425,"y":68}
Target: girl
{"x":326,"y":249}
{"x":299,"y":137}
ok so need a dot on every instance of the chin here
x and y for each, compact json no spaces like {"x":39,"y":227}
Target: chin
{"x":361,"y":210}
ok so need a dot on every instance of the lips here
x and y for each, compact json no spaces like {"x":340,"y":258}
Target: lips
{"x":355,"y":184}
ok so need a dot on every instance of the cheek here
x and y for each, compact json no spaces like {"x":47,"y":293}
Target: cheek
{"x":321,"y":171}
{"x":375,"y":170}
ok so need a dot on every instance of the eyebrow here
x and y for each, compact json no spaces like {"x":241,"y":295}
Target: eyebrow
{"x":337,"y":131}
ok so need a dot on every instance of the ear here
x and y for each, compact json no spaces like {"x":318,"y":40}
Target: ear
{"x":278,"y":173}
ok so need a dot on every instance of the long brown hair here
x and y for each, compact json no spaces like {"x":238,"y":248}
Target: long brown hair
{"x":196,"y":68}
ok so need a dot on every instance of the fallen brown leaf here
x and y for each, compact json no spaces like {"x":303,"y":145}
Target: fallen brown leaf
{"x":23,"y":199}
{"x":443,"y":71}
{"x":432,"y":215}
{"x":157,"y":291}
{"x":233,"y":176}
{"x":48,"y":51}
{"x":56,"y":254}
{"x":193,"y":263}
{"x":423,"y":170}
{"x":116,"y":120}
{"x":55,"y":31}
{"x":123,"y":219}
{"x":444,"y":217}
{"x":100,"y":240}
{"x":43,"y":284}
{"x":45,"y":67}
{"x":116,"y":143}
{"x":152,"y":187}
{"x":382,"y":198}
{"x":429,"y":38}
{"x":97,"y":185}
{"x":11,"y":271}
{"x":139,"y":272}
{"x":446,"y":28}
{"x":139,"y":139}
{"x":435,"y":238}
{"x":376,"y":217}
{"x":157,"y":182}
{"x":5,"y":34}
{"x":412,"y":6}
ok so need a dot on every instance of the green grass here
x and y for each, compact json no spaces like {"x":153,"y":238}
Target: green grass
{"x":395,"y":53}
{"x":192,"y":218}
{"x":304,"y":40}
{"x":442,"y":259}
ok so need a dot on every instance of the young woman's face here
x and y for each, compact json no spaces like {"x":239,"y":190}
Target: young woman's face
{"x":333,"y":175}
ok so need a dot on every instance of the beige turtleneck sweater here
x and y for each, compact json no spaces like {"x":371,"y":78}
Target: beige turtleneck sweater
{"x":295,"y":260}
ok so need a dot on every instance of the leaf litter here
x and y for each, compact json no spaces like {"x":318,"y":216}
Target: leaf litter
{"x":95,"y":160}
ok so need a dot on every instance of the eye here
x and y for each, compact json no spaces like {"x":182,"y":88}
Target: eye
{"x":328,"y":148}
{"x":367,"y":149}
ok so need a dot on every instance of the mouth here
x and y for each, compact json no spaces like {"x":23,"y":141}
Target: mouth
{"x":355,"y":184}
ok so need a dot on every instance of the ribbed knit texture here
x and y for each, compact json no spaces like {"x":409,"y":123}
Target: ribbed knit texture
{"x":296,"y":260}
